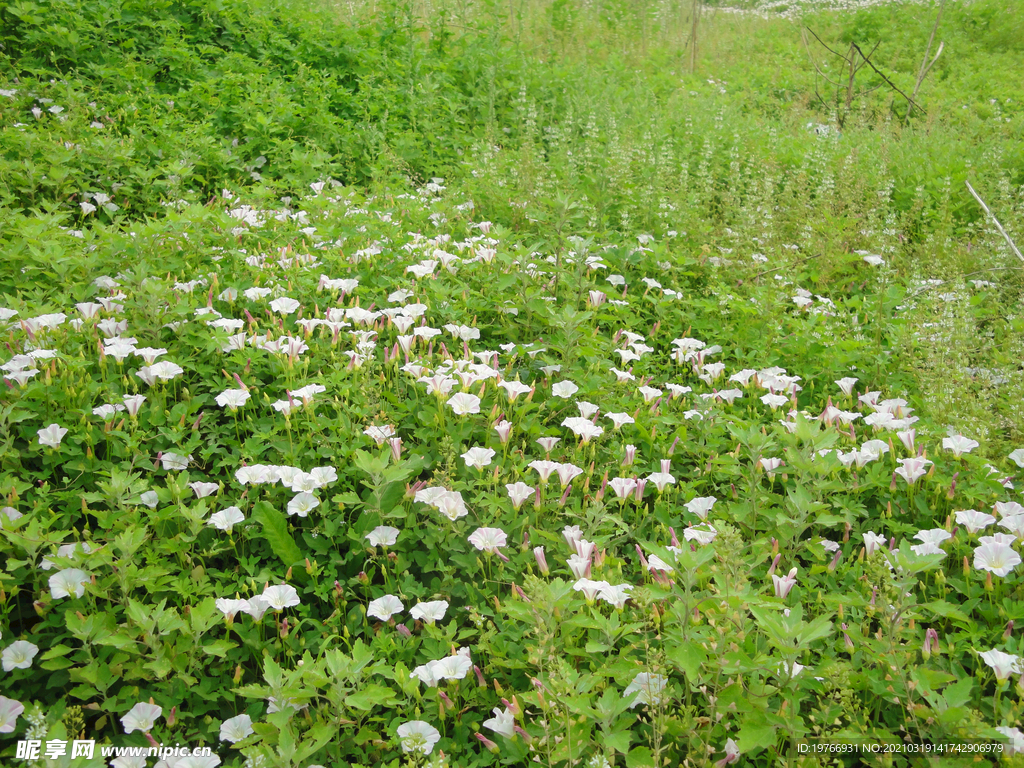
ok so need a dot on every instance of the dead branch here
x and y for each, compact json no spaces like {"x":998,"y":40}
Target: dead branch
{"x":1013,"y":246}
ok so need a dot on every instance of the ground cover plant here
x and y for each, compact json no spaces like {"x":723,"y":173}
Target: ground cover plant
{"x":647,"y":435}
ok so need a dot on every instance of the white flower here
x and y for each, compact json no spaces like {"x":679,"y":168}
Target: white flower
{"x":478,"y":458}
{"x":647,"y":687}
{"x":418,"y":736}
{"x":150,"y":499}
{"x":232,"y":398}
{"x":236,"y":729}
{"x":202,"y":490}
{"x":464,"y":403}
{"x":165,"y":370}
{"x":51,"y":436}
{"x":503,"y":723}
{"x":384,"y":608}
{"x":488,"y":539}
{"x":1003,"y":664}
{"x":19,"y":655}
{"x":974,"y":520}
{"x":280,"y":596}
{"x":9,"y":711}
{"x":141,"y":717}
{"x":564,"y":389}
{"x":230,"y":607}
{"x":174,"y":461}
{"x":518,"y":493}
{"x":226,"y":519}
{"x":67,"y":582}
{"x":429,"y":612}
{"x":996,"y":556}
{"x":284,"y":305}
{"x":382,"y":536}
{"x":701,"y":506}
{"x":302,"y":503}
{"x":932,"y":539}
{"x":959,"y":444}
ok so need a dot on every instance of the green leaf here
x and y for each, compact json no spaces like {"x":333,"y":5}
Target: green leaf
{"x":619,"y":741}
{"x":942,"y":608}
{"x":755,"y":735}
{"x":688,"y":657}
{"x":275,"y":531}
{"x":219,"y":648}
{"x":370,"y":696}
{"x":640,"y":757}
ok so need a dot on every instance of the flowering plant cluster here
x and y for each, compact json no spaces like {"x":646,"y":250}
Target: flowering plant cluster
{"x":377,"y":483}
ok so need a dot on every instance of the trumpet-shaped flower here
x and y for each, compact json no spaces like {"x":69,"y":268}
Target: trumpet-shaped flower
{"x":959,"y":444}
{"x":51,"y":436}
{"x":430,"y":611}
{"x":701,"y":506}
{"x":226,"y":519}
{"x":19,"y":655}
{"x":1003,"y":664}
{"x":464,"y":403}
{"x":996,"y":556}
{"x":583,"y":428}
{"x":622,"y":487}
{"x":503,"y":723}
{"x":488,"y":539}
{"x":619,"y":419}
{"x":70,"y":581}
{"x":564,"y":389}
{"x":783,"y":584}
{"x":302,"y":504}
{"x":418,"y":735}
{"x":382,"y":536}
{"x":141,"y":717}
{"x":384,"y":608}
{"x":973,"y":520}
{"x":478,"y":458}
{"x":518,"y":493}
{"x":9,"y":712}
{"x":931,"y":539}
{"x":233,"y":398}
{"x":280,"y":596}
{"x":913,"y":469}
{"x":236,"y":728}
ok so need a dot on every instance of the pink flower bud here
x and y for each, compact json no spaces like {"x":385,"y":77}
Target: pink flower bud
{"x":542,"y":563}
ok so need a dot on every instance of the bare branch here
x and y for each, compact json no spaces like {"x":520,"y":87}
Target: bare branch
{"x":1013,"y":246}
{"x":882,"y":75}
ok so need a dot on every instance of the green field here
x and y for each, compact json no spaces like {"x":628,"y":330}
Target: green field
{"x":575,"y":383}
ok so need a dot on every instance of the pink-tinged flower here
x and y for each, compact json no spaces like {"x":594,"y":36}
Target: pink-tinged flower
{"x":572,"y":535}
{"x":10,"y":709}
{"x":489,"y":540}
{"x":514,"y":389}
{"x":846,"y":385}
{"x":931,"y":541}
{"x":630,"y":456}
{"x":504,"y":430}
{"x":597,"y":298}
{"x":429,"y":612}
{"x":544,"y":469}
{"x":418,"y":736}
{"x":590,"y":589}
{"x":542,"y":561}
{"x":1008,"y":508}
{"x":478,"y":458}
{"x":175,"y":462}
{"x":661,"y":480}
{"x":931,"y":643}
{"x":973,"y":520}
{"x":165,"y":370}
{"x":384,"y":608}
{"x":1003,"y":664}
{"x":202,"y":490}
{"x":872,"y":541}
{"x":580,"y":566}
{"x":959,"y":444}
{"x":1015,"y":735}
{"x":280,"y":596}
{"x":451,"y":505}
{"x":769,"y":465}
{"x":996,"y":557}
{"x":284,"y":305}
{"x":231,"y":607}
{"x":141,"y":717}
{"x":302,"y":504}
{"x":732,"y":750}
{"x":518,"y":493}
{"x":379,"y":433}
{"x":783,"y":584}
{"x":587,"y":410}
{"x":464,"y":403}
{"x":701,"y":506}
{"x":622,"y":487}
{"x":567,"y":472}
{"x":51,"y":436}
{"x":913,"y":469}
{"x":548,"y":443}
{"x":233,"y":398}
{"x":907,"y":437}
{"x":1014,"y":524}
